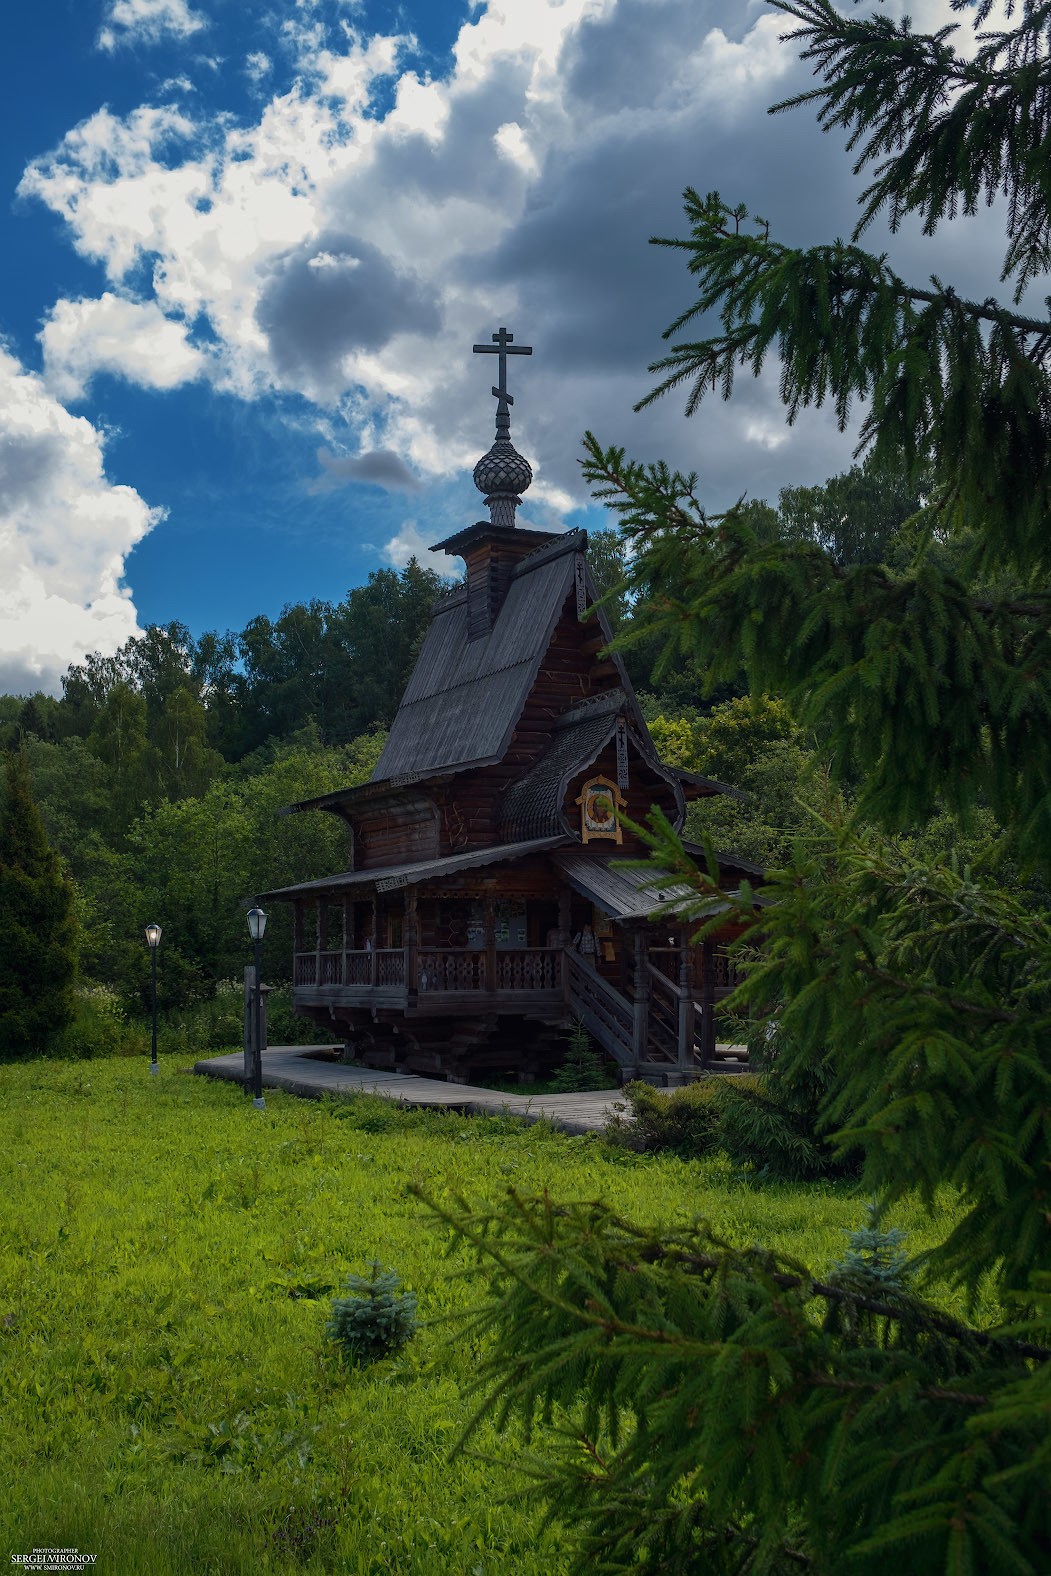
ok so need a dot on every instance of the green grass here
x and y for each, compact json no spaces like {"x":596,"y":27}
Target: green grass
{"x":167,"y":1259}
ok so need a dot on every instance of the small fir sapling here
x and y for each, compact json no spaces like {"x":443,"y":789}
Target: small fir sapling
{"x":375,"y":1319}
{"x":874,"y":1259}
{"x":582,"y":1068}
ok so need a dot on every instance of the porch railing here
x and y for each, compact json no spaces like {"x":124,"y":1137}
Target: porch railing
{"x":450,"y":968}
{"x":437,"y":969}
{"x":529,"y":968}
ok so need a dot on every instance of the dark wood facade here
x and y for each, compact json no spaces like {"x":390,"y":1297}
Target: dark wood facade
{"x":487,"y":841}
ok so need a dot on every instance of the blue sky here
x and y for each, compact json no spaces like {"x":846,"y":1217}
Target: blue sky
{"x":246,"y":250}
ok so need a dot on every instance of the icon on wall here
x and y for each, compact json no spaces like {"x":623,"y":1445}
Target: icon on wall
{"x":601,"y":803}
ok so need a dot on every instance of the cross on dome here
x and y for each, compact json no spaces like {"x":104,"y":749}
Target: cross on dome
{"x":503,"y":346}
{"x":502,"y":474}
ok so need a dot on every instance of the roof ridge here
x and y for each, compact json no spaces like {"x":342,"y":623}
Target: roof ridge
{"x":564,"y":544}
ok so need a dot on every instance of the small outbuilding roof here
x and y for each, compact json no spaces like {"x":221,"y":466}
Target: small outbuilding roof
{"x":628,"y":895}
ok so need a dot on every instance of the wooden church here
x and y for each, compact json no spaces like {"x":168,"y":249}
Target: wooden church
{"x":482,"y":910}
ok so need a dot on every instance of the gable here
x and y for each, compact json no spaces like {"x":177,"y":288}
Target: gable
{"x":465,"y":696}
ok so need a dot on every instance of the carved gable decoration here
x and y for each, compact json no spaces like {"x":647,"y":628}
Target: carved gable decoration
{"x":601,"y":803}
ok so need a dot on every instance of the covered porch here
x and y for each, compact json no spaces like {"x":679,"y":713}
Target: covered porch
{"x":449,"y":944}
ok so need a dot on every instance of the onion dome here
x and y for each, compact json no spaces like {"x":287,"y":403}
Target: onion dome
{"x":502,"y":475}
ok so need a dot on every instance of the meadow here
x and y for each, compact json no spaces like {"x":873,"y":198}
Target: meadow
{"x":167,"y":1260}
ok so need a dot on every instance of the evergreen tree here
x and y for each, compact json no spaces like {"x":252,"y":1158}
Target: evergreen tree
{"x":38,"y":958}
{"x":721,"y":1409}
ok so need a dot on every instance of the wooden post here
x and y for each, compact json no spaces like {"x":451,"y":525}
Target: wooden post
{"x":641,"y":1025}
{"x":250,"y":1021}
{"x":686,"y":1005}
{"x":320,"y":936}
{"x":373,"y":960}
{"x":565,"y":917}
{"x":297,"y":937}
{"x":410,"y":941}
{"x":490,"y":944}
{"x":348,"y":937}
{"x":707,"y":1003}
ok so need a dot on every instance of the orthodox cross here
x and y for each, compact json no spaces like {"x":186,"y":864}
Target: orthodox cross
{"x":503,"y":347}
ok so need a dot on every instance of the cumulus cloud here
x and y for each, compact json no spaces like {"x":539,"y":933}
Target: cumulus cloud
{"x":331,"y":297}
{"x":147,"y":22}
{"x":351,"y":255}
{"x":65,"y":531}
{"x":131,"y":339}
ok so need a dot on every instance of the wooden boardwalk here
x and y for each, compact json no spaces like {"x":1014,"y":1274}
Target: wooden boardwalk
{"x":292,"y":1068}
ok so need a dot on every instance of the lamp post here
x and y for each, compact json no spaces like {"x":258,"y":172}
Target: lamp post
{"x":256,"y":927}
{"x":153,"y":941}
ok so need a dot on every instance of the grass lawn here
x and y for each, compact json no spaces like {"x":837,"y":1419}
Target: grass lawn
{"x":167,"y":1258}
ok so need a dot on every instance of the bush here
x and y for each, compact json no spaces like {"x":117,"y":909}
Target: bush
{"x":755,"y":1119}
{"x":374,"y":1320}
{"x":759,"y":1129}
{"x":100,"y":1027}
{"x":686,"y":1121}
{"x":204,"y":1027}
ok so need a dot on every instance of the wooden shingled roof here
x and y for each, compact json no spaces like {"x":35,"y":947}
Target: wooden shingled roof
{"x":465,"y":696}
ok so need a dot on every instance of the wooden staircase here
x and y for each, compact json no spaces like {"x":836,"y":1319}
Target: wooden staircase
{"x":656,"y":1033}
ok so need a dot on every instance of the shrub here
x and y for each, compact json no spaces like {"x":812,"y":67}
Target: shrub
{"x":757,"y":1127}
{"x":100,"y":1027}
{"x":686,"y":1121}
{"x":374,"y":1319}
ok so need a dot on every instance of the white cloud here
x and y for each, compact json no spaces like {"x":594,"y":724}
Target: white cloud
{"x":147,"y":22}
{"x":65,"y":531}
{"x":352,"y":256}
{"x":257,"y":66}
{"x":131,"y":339}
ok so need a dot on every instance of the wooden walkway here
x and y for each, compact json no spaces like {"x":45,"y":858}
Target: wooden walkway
{"x":290,"y":1067}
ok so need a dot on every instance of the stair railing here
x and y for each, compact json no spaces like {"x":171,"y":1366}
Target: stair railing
{"x":604,"y":1012}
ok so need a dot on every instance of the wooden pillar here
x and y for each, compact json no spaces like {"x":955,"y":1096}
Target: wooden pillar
{"x":410,"y":942}
{"x":641,"y":1026}
{"x":297,"y":937}
{"x":348,"y":936}
{"x":320,"y":934}
{"x":565,"y":902}
{"x":707,"y":1035}
{"x":373,"y":960}
{"x":565,"y":935}
{"x":490,"y":944}
{"x":686,"y":1004}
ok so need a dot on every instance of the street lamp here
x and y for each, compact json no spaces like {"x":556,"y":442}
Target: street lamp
{"x":153,"y":941}
{"x":256,"y":927}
